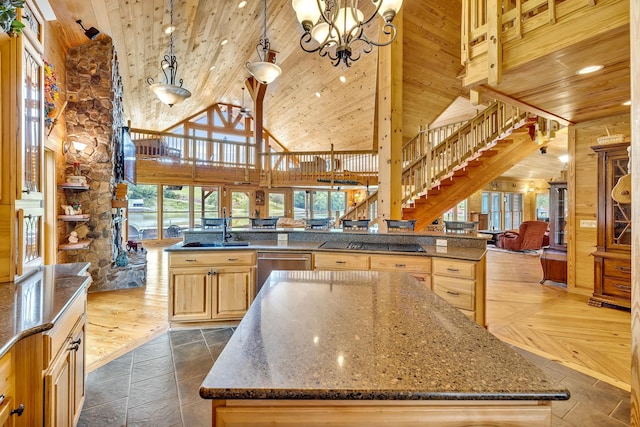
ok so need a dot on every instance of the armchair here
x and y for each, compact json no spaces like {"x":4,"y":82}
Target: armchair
{"x":530,"y":236}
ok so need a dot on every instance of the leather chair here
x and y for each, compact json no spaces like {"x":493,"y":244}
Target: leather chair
{"x":530,"y":236}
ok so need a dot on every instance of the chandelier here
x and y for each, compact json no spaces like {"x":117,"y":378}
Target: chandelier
{"x":265,"y":71}
{"x":168,"y":92}
{"x":334,"y":28}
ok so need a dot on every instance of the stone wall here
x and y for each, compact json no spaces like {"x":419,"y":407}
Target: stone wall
{"x":95,"y":116}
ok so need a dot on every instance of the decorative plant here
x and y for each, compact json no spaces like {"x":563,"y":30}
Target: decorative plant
{"x":8,"y":15}
{"x":50,"y":93}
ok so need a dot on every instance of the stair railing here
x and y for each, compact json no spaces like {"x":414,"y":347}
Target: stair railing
{"x":365,"y":209}
{"x":442,"y":158}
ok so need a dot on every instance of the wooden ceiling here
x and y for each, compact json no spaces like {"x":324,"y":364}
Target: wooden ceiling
{"x":344,"y":113}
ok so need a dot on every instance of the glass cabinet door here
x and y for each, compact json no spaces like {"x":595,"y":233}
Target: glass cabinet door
{"x":558,"y":213}
{"x":619,"y":233}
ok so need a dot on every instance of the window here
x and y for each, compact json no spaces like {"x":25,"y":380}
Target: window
{"x":276,"y":205}
{"x":320,"y":204}
{"x":206,"y":203}
{"x":457,"y":213}
{"x":175,"y":210}
{"x":240,"y":202}
{"x":143,"y":212}
{"x":512,"y":210}
{"x":338,"y":203}
{"x":300,"y":204}
{"x":504,"y":209}
{"x":542,"y":206}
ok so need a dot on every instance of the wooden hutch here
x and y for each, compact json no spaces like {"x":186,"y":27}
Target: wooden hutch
{"x":612,"y":258}
{"x":554,"y":257}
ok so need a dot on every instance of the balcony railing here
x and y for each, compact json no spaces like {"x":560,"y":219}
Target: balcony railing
{"x":330,"y":167}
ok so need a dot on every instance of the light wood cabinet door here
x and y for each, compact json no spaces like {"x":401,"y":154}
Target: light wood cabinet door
{"x":233,"y":291}
{"x":190,"y":294}
{"x":79,"y":370}
{"x":59,"y":385}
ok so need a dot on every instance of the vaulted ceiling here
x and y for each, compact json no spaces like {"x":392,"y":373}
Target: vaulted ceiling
{"x":344,"y":114}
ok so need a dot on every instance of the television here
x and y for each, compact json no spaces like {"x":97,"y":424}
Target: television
{"x":128,"y":157}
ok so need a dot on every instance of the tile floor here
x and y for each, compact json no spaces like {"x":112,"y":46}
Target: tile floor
{"x":157,"y":385}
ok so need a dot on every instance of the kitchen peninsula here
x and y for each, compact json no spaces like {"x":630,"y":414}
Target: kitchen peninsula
{"x":215,"y":281}
{"x":363,"y":348}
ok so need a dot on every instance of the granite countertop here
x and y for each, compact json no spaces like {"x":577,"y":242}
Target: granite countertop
{"x":470,"y":254}
{"x":35,"y":303}
{"x":362,"y":336}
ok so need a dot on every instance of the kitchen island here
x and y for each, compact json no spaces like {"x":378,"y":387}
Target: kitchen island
{"x":366,"y":348}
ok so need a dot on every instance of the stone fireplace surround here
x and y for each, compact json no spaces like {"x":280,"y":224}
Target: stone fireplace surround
{"x":95,"y":116}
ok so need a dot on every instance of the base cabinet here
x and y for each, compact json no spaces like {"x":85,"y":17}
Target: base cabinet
{"x":211,"y":286}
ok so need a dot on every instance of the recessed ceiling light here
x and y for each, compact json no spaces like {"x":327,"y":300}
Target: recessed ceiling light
{"x":212,"y":67}
{"x":169,"y":29}
{"x":626,"y":103}
{"x":223,"y":42}
{"x":242,"y":4}
{"x":343,"y":79}
{"x":318,"y":94}
{"x":590,"y":69}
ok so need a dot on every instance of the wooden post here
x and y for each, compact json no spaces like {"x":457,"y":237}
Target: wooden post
{"x":390,"y":129}
{"x":494,"y":42}
{"x":257,"y":91}
{"x":635,"y":210}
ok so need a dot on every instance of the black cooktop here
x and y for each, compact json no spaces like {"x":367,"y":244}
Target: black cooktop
{"x":374,"y":246}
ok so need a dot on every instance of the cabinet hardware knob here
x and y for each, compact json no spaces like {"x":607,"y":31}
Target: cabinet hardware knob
{"x":340,"y":262}
{"x":28,"y":191}
{"x":19,"y":410}
{"x":78,"y":341}
{"x":453,"y":293}
{"x":232,"y":259}
{"x":453,"y":270}
{"x":623,"y":269}
{"x":191,"y":260}
{"x":74,"y":347}
{"x":401,"y":265}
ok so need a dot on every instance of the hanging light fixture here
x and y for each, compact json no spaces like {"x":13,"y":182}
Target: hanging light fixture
{"x":168,"y":92}
{"x":265,"y":71}
{"x":334,"y":27}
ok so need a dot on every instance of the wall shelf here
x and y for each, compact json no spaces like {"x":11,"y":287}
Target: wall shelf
{"x":74,"y":218}
{"x":83,"y":244}
{"x":70,"y":186}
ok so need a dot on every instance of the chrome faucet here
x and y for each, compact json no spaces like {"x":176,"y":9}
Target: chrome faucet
{"x":225,"y":234}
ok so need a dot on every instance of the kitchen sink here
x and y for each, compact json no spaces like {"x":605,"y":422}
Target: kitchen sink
{"x":214,"y":245}
{"x":373,"y":246}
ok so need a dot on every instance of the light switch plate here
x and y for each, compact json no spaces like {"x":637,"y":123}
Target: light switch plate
{"x":588,"y":223}
{"x":441,"y":242}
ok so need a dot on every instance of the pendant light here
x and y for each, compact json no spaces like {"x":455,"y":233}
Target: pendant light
{"x":168,"y":92}
{"x":264,"y":71}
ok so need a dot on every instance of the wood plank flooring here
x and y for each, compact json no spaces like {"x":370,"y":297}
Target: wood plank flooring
{"x":543,"y":319}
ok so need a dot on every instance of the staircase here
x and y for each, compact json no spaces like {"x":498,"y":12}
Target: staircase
{"x":458,"y":161}
{"x":447,"y":164}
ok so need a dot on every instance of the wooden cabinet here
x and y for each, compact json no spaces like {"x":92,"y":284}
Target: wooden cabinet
{"x":418,"y":267}
{"x":554,"y":257}
{"x":340,"y":261}
{"x":9,"y":408}
{"x":64,"y":380}
{"x":206,"y":286}
{"x":612,"y":258}
{"x":462,"y":284}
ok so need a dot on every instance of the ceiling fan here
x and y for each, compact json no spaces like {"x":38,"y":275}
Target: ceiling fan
{"x":244,"y":111}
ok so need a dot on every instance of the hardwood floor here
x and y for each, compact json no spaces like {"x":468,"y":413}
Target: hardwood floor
{"x":543,"y":319}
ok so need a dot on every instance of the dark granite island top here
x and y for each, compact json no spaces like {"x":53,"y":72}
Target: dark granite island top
{"x":35,"y":303}
{"x":349,"y":339}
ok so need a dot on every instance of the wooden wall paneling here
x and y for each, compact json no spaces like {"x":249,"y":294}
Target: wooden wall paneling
{"x":586,"y":195}
{"x":635,"y":209}
{"x":571,"y":222}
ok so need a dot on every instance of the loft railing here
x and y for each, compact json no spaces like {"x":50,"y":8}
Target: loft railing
{"x":488,"y":24}
{"x":330,"y":167}
{"x":442,"y":159}
{"x":165,"y":147}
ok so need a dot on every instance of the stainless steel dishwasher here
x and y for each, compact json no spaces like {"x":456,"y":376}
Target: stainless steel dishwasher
{"x":269,"y":261}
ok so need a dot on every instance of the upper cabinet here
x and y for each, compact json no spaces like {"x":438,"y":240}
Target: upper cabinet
{"x":22,"y":147}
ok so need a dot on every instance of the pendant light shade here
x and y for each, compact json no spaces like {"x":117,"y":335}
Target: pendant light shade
{"x":265,"y":71}
{"x":169,"y":92}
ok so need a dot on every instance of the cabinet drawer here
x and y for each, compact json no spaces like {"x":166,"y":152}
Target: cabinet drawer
{"x":55,"y":338}
{"x":454,"y":297}
{"x":617,"y":286}
{"x":340,"y":262}
{"x":617,"y":268}
{"x":400,"y":263}
{"x":454,"y":268}
{"x":191,"y":259}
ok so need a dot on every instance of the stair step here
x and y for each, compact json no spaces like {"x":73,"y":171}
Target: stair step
{"x":460,"y":173}
{"x":489,"y":153}
{"x":447,"y":182}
